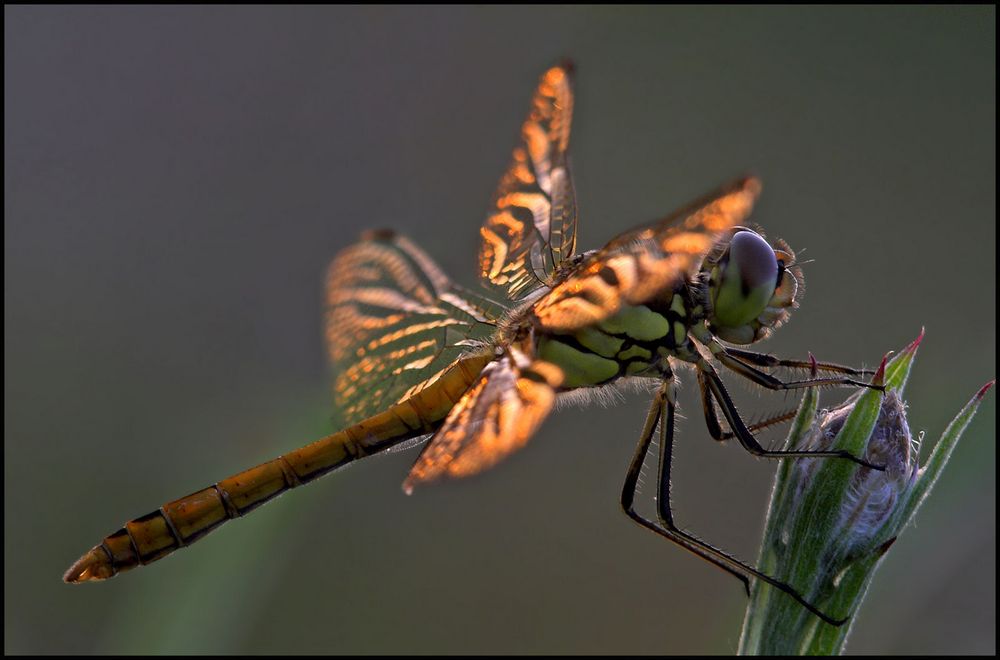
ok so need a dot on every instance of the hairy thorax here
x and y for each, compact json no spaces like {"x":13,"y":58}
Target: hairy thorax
{"x":637,"y":340}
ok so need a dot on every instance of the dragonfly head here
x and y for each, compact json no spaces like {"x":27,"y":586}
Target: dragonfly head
{"x":752,"y":286}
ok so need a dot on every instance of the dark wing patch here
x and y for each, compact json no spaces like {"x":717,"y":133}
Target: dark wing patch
{"x":531,"y":228}
{"x":495,"y":417}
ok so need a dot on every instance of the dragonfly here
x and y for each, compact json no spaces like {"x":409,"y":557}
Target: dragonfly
{"x":419,"y":357}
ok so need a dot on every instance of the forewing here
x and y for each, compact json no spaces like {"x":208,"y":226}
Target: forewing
{"x":637,"y":265}
{"x":495,"y":417}
{"x":393,"y":322}
{"x":531,"y":228}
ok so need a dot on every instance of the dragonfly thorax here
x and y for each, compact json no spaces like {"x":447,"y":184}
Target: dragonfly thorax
{"x":638,"y":340}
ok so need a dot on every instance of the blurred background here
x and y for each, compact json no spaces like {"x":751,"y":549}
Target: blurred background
{"x":176,"y":180}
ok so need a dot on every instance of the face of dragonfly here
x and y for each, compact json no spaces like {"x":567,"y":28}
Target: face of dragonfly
{"x":750,"y":286}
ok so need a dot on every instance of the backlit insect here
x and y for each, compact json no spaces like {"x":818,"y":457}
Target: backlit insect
{"x":417,"y":356}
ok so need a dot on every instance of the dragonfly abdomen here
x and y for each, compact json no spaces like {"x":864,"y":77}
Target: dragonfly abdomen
{"x":180,"y":523}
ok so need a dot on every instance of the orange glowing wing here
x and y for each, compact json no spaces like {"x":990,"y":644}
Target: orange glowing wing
{"x":394,"y":322}
{"x":495,"y":417}
{"x":531,"y":228}
{"x":638,"y":264}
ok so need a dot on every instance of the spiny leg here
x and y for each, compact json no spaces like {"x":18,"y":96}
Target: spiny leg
{"x":770,"y":382}
{"x":712,"y":418}
{"x":664,"y":399}
{"x":630,"y":489}
{"x":767,"y":422}
{"x":746,"y":438}
{"x":765,"y":360}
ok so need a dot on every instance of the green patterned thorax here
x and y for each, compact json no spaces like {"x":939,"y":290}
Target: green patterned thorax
{"x":633,"y":341}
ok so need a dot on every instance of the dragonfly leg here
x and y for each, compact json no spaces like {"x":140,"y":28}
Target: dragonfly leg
{"x":767,"y":422}
{"x":770,"y":382}
{"x":765,"y":360}
{"x":708,"y":406}
{"x":712,"y":417}
{"x":661,"y":414}
{"x":745,"y":436}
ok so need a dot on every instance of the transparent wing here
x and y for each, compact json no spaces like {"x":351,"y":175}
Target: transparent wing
{"x":495,"y":417}
{"x":394,"y":322}
{"x":640,"y":263}
{"x":531,"y":228}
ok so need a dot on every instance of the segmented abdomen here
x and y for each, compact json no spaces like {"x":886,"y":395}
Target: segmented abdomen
{"x":182,"y":522}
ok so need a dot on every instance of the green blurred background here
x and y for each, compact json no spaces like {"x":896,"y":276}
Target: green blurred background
{"x":177,"y":178}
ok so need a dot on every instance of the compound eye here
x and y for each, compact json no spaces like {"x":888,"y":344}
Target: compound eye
{"x":747,"y":282}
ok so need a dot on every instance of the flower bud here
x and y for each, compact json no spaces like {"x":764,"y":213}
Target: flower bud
{"x":870,"y":496}
{"x":831,"y":521}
